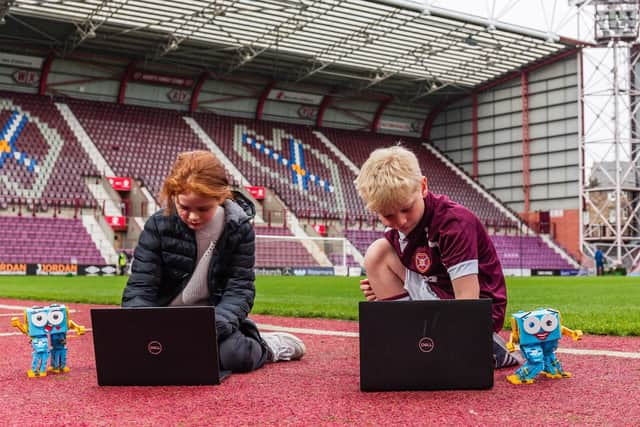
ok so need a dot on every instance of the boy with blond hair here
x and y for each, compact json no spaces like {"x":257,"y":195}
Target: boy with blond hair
{"x":433,"y":248}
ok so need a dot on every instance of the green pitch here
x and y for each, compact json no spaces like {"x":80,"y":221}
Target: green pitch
{"x":607,"y":305}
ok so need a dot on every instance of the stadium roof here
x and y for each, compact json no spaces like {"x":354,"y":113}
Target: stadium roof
{"x":399,"y":48}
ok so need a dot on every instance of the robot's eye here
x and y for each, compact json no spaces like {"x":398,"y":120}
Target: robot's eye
{"x":39,"y":319}
{"x":549,"y":322}
{"x":531,"y":325}
{"x":56,"y":317}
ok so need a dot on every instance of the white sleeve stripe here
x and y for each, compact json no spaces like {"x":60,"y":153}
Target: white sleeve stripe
{"x":463,"y":269}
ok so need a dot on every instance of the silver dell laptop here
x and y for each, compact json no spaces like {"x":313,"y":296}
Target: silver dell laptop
{"x":156,"y":346}
{"x":426,"y":345}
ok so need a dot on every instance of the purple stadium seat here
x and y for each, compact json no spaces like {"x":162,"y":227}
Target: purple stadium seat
{"x":280,"y":253}
{"x":138,"y":142}
{"x":34,"y":141}
{"x":45,"y":240}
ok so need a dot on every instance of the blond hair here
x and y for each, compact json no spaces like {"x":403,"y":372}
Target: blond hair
{"x":198,"y":172}
{"x":388,"y":179}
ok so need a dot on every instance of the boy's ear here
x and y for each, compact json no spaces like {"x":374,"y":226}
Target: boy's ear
{"x":424,"y":188}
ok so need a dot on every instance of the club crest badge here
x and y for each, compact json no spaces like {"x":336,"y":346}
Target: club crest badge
{"x":422,"y":260}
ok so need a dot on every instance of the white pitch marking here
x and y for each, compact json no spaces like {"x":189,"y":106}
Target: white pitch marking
{"x":574,"y":351}
{"x":69,"y":334}
{"x":309,"y":331}
{"x":13,"y":307}
{"x":19,"y":307}
{"x":588,"y":352}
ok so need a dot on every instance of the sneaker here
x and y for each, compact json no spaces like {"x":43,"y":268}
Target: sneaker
{"x":502,"y":357}
{"x":283,"y":346}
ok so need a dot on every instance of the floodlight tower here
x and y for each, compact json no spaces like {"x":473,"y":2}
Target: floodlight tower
{"x":609,"y":193}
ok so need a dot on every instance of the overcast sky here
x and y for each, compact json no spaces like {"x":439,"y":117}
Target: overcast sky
{"x":556,"y":16}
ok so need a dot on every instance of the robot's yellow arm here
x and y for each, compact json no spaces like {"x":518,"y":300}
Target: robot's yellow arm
{"x":514,"y":337}
{"x":576,"y":335}
{"x":15,"y":321}
{"x":73,"y":325}
{"x":78,"y":328}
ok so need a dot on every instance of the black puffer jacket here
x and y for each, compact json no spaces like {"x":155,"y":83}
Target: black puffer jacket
{"x":165,"y":259}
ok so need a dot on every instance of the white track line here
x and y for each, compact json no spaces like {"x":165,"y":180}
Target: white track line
{"x":11,"y":334}
{"x":324,"y":332}
{"x":574,"y":351}
{"x":610,"y":353}
{"x":21,"y":308}
{"x":307,"y":331}
{"x":13,"y":307}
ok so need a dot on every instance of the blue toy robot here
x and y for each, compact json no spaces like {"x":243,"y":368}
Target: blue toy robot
{"x":35,"y":326}
{"x":40,"y":324}
{"x":538,"y":333}
{"x":60,"y":324}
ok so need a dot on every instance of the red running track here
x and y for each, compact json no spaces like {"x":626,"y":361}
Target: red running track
{"x":321,"y":389}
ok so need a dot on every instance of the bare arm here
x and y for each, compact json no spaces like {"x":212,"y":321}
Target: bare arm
{"x":466,"y":287}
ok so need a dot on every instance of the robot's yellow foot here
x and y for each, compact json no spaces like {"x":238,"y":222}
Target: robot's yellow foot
{"x":31,"y":374}
{"x":550,"y":375}
{"x":66,"y":369}
{"x":514,"y":379}
{"x":557,"y":375}
{"x":53,"y":370}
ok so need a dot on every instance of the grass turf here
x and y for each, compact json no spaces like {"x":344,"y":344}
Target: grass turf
{"x":606,"y":305}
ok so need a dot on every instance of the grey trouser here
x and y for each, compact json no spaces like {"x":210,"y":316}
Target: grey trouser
{"x":243,"y":350}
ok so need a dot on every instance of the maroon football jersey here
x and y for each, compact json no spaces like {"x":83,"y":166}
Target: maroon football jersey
{"x":451,"y":242}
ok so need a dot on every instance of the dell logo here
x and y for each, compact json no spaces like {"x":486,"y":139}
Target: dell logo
{"x":154,"y":347}
{"x":426,"y":345}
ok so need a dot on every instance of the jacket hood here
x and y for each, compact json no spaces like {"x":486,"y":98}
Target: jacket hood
{"x":244,"y":203}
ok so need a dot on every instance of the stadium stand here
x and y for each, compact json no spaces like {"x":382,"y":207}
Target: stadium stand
{"x":515,"y":252}
{"x":142,"y":142}
{"x":527,"y":252}
{"x":357,"y":146}
{"x":280,"y":252}
{"x":46,"y":240}
{"x":137,"y":142}
{"x":263,"y":168}
{"x":45,"y":137}
{"x":361,"y":239}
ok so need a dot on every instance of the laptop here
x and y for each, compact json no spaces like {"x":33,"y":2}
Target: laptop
{"x":426,"y":345}
{"x":156,"y":346}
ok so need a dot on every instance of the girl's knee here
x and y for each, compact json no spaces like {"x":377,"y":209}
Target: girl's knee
{"x":237,"y":363}
{"x":240,"y":355}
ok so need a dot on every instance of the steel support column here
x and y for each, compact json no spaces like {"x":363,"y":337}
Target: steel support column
{"x":474,"y":134}
{"x":44,"y":74}
{"x":125,"y":81}
{"x":526,"y":160}
{"x":609,"y":190}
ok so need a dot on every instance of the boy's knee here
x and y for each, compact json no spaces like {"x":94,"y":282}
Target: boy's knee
{"x":377,"y":254}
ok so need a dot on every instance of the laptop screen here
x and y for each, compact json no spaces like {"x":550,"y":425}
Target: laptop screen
{"x":426,"y":345}
{"x":155,"y":346}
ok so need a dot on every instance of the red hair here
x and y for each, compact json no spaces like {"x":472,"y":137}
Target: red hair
{"x":198,"y":172}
